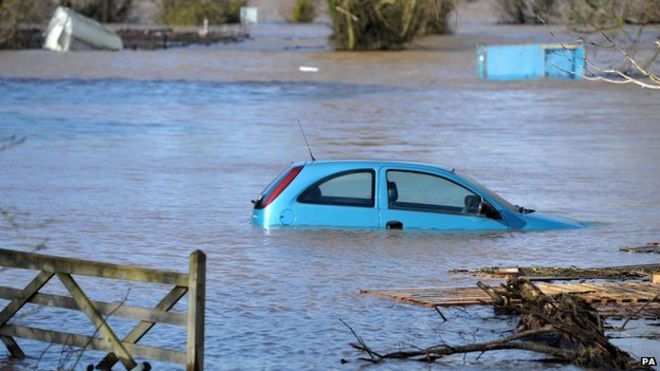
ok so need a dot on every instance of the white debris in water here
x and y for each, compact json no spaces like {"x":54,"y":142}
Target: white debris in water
{"x":308,"y":69}
{"x":69,"y":30}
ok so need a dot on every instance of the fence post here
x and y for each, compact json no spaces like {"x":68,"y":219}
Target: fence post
{"x":196,"y":306}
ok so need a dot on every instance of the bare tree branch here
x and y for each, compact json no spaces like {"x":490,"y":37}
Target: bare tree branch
{"x":374,"y":357}
{"x":123,"y":301}
{"x":638,"y":311}
{"x":653,"y":83}
{"x":432,"y":353}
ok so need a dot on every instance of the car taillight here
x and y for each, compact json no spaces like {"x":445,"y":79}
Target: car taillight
{"x":278,"y":187}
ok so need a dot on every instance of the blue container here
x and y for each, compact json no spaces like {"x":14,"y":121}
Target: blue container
{"x":532,"y":61}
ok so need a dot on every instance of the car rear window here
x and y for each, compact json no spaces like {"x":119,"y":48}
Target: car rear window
{"x":348,"y":188}
{"x":277,"y":186}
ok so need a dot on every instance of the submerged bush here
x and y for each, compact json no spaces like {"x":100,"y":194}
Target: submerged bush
{"x":193,"y":12}
{"x":303,"y":11}
{"x":610,"y":13}
{"x":233,"y":10}
{"x":14,"y":13}
{"x":106,"y":11}
{"x":525,"y":11}
{"x":385,"y":24}
{"x":581,"y":13}
{"x":437,"y":24}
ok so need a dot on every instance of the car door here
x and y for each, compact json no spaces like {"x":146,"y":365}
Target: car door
{"x":428,"y":200}
{"x":343,"y":199}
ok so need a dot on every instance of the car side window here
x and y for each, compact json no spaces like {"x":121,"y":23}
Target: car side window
{"x":409,"y":190}
{"x":348,"y":188}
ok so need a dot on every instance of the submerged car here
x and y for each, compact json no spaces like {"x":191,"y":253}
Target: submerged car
{"x":391,"y":195}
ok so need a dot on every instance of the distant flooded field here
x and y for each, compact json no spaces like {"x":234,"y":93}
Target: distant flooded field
{"x":142,"y":157}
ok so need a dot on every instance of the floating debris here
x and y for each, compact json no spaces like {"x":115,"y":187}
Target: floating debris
{"x":651,"y":247}
{"x":158,"y":37}
{"x":69,"y":30}
{"x":612,"y":298}
{"x":308,"y":69}
{"x":556,"y":273}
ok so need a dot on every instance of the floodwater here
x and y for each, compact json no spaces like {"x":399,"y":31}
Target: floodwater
{"x":143,"y":157}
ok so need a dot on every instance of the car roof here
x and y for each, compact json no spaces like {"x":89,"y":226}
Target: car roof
{"x":372,"y":163}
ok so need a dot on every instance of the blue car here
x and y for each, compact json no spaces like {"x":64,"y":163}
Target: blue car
{"x":391,"y":195}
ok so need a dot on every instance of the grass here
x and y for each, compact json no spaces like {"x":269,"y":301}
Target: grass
{"x":193,"y":12}
{"x":303,"y":11}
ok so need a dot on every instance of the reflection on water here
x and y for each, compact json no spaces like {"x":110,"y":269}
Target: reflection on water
{"x":147,"y":171}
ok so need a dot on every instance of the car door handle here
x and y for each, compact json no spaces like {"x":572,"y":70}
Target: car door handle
{"x":394,"y":224}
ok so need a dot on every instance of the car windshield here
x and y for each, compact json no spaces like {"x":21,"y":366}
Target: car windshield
{"x":491,"y":194}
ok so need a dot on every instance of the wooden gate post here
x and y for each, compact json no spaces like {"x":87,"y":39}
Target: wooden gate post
{"x":127,"y":349}
{"x":196,"y":306}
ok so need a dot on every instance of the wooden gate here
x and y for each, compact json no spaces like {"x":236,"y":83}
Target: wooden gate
{"x":123,"y":350}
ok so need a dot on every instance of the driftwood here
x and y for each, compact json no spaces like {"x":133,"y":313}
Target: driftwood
{"x":563,"y":326}
{"x":578,"y":328}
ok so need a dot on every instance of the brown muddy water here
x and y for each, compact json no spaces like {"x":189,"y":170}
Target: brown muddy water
{"x":142,"y":157}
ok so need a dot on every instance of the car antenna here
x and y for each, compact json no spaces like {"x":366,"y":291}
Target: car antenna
{"x":305,"y":137}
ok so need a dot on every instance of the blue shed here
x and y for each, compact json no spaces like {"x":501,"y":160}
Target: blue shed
{"x":531,"y":61}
